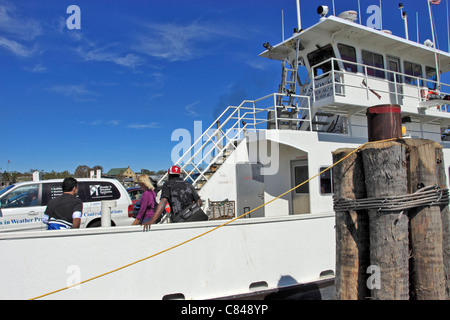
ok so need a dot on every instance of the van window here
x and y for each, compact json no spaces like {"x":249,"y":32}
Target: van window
{"x":100,"y":190}
{"x":348,"y":53}
{"x":322,"y":54}
{"x":51,"y":191}
{"x":375,"y":60}
{"x":414,"y":70}
{"x":325,"y":181}
{"x":23,"y":196}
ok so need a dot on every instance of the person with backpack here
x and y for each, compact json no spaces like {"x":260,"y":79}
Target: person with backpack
{"x":148,"y":201}
{"x":180,"y":195}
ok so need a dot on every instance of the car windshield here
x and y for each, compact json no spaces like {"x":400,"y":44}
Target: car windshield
{"x":6,"y":189}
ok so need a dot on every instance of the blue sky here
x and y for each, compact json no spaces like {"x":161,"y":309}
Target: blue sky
{"x":112,"y":92}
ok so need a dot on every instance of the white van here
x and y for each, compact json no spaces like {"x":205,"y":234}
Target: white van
{"x":23,"y":204}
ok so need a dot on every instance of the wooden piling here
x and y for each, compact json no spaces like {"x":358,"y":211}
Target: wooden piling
{"x":427,"y":277}
{"x":386,"y":175}
{"x":445,"y":217}
{"x":352,"y":228}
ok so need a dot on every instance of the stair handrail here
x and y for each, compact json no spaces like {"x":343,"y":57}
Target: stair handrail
{"x":237,"y":124}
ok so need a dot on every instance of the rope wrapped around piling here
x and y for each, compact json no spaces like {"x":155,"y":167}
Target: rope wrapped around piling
{"x":424,"y":197}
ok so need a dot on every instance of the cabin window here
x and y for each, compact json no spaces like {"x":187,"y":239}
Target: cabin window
{"x":301,"y":175}
{"x":349,"y":54}
{"x":431,"y":75}
{"x":325,"y":181}
{"x":322,"y":54}
{"x":414,"y":70}
{"x":375,"y":60}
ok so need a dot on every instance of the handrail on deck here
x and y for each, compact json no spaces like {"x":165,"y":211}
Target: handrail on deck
{"x":237,"y":120}
{"x":419,"y":83}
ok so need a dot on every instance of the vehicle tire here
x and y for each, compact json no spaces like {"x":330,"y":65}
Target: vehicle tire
{"x":98,"y":223}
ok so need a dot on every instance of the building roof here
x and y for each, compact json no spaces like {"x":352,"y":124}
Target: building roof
{"x":116,"y":171}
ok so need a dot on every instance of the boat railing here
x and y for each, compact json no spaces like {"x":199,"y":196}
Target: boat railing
{"x":222,"y":137}
{"x":389,"y":86}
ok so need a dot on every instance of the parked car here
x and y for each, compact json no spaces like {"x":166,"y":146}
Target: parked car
{"x":23,"y":204}
{"x":135,"y":194}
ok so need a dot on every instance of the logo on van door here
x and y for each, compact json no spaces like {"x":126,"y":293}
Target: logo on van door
{"x":94,"y":189}
{"x":101,"y":191}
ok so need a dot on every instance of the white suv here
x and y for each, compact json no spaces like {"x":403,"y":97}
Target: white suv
{"x":22,"y":204}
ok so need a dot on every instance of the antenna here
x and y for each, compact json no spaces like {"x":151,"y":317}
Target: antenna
{"x":381,"y":17}
{"x":438,"y":76}
{"x":448,"y":34}
{"x":417,"y":26}
{"x":298,"y":16}
{"x":282,"y":24}
{"x":359,"y":11}
{"x":405,"y":19}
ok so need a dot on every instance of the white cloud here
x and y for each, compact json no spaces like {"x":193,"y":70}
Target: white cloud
{"x":181,"y":43}
{"x":77,"y":92}
{"x":108,"y":54}
{"x":101,"y":122}
{"x":144,"y":126}
{"x":190,"y":109}
{"x":14,"y":23}
{"x":39,"y":68}
{"x":15,"y":29}
{"x":16,"y":48}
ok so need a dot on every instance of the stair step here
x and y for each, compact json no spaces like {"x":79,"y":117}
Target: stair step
{"x":324,"y":114}
{"x":320,"y":122}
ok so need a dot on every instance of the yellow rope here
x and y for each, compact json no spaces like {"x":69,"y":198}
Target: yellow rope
{"x":204,"y":233}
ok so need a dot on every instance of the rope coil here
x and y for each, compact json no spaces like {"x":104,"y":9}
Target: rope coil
{"x":424,"y":197}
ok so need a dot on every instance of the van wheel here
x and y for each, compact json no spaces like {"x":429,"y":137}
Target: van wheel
{"x":98,"y":223}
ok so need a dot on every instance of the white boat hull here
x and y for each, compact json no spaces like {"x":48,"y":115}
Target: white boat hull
{"x":245,"y":256}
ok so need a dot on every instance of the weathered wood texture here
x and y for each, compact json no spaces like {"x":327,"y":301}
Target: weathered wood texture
{"x":445,"y":217}
{"x":427,"y":271}
{"x":386,"y":175}
{"x":352,"y":228}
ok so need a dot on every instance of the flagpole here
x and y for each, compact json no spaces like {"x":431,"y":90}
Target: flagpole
{"x":448,"y":33}
{"x":417,"y":26}
{"x":438,"y":77}
{"x":381,"y":17}
{"x":359,"y":11}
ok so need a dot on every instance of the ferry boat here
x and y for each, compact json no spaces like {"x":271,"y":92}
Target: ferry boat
{"x":251,"y":154}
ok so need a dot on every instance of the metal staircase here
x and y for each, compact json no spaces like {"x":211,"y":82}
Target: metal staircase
{"x":205,"y":156}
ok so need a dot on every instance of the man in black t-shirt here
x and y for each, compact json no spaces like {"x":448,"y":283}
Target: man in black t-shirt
{"x":65,"y":211}
{"x":178,"y":193}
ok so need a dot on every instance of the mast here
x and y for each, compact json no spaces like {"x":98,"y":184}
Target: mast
{"x":299,"y":22}
{"x":438,"y":76}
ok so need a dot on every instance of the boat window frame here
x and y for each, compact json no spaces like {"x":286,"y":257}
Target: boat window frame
{"x":381,"y":74}
{"x":321,"y":58}
{"x":414,"y":77}
{"x":329,"y":184}
{"x":432,"y":78}
{"x":300,"y":176}
{"x":352,"y":65}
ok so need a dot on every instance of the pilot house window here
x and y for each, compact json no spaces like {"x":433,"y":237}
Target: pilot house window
{"x":431,"y":76}
{"x":375,"y":60}
{"x":322,"y":54}
{"x":349,"y":54}
{"x":414,"y":70}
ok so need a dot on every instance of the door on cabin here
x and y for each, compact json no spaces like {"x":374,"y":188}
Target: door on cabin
{"x":395,"y":81}
{"x":300,"y":196}
{"x":250,"y":189}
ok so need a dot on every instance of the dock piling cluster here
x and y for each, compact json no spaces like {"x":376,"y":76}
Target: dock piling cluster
{"x":389,"y":253}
